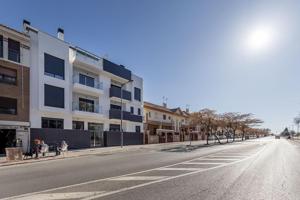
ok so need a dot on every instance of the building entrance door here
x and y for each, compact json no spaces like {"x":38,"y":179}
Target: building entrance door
{"x":7,"y":139}
{"x":96,"y":134}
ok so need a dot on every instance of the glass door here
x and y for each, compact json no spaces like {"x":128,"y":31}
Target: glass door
{"x":96,"y":130}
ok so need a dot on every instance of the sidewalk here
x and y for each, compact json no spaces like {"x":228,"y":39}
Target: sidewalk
{"x":99,"y":151}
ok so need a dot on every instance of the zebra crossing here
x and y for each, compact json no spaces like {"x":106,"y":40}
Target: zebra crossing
{"x":108,"y":186}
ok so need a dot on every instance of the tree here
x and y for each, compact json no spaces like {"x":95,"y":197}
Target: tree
{"x":247,"y":121}
{"x":205,"y":118}
{"x":297,"y":122}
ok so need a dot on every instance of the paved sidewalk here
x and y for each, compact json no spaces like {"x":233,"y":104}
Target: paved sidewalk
{"x":102,"y":150}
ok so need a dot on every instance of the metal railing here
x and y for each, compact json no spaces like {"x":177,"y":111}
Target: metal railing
{"x":86,"y":107}
{"x":97,"y":84}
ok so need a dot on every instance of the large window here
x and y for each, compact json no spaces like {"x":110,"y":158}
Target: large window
{"x":8,"y":106}
{"x":137,"y":94}
{"x":52,"y":123}
{"x":1,"y":46}
{"x":86,"y":80}
{"x":78,"y":125}
{"x":137,"y":129}
{"x":8,"y":76}
{"x":54,"y":96}
{"x":13,"y":50}
{"x":54,"y":66}
{"x":139,"y":111}
{"x":86,"y":105}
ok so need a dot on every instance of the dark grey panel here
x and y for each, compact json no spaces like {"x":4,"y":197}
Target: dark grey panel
{"x":116,"y":114}
{"x":76,"y":139}
{"x":117,"y":70}
{"x":129,"y":138}
{"x":116,"y":92}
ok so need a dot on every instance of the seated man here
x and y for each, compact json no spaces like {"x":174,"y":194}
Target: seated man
{"x":44,"y":148}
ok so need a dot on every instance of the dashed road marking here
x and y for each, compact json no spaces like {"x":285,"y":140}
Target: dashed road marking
{"x":137,"y":178}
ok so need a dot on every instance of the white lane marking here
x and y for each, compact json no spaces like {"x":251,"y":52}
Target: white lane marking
{"x":179,"y":169}
{"x":138,"y":178}
{"x":206,"y":158}
{"x":204,"y":163}
{"x":56,"y":196}
{"x":170,"y":178}
{"x":104,"y":179}
{"x":225,"y":156}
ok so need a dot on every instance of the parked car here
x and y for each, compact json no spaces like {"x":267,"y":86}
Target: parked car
{"x":277,"y":137}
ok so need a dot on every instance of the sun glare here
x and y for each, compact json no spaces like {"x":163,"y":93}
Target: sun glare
{"x":260,"y":38}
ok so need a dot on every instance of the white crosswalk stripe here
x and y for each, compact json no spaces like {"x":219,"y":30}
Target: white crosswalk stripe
{"x":137,"y":178}
{"x":57,"y":196}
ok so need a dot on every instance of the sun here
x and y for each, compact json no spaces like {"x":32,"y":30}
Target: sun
{"x":260,"y":38}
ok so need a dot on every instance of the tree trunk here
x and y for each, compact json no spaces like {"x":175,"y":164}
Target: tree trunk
{"x":233,"y":138}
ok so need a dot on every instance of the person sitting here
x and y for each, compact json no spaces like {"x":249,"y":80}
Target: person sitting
{"x":63,"y":147}
{"x":44,"y":148}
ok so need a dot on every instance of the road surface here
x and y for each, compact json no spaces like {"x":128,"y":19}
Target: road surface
{"x":257,"y":169}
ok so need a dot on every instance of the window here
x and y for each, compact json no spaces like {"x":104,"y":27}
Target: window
{"x":54,"y":96}
{"x":117,"y":107}
{"x":132,"y":110}
{"x":1,"y":46}
{"x":149,"y":114}
{"x":52,"y":123}
{"x":54,"y":66}
{"x":164,"y":117}
{"x":86,"y":80}
{"x":114,"y":127}
{"x":86,"y":105}
{"x":78,"y":125}
{"x":13,"y":50}
{"x":137,"y":94}
{"x":137,"y":129}
{"x":169,"y":117}
{"x":8,"y":106}
{"x":139,"y":111}
{"x":8,"y":76}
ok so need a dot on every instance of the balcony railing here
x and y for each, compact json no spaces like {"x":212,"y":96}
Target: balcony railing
{"x":86,"y":107}
{"x":96,"y":84}
{"x":14,"y":55}
{"x":116,"y":92}
{"x":116,"y":114}
{"x":86,"y":58}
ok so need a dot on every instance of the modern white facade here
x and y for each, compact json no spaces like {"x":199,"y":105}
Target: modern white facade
{"x":74,"y":89}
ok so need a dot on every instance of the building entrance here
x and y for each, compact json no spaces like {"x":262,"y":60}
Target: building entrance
{"x":7,"y":139}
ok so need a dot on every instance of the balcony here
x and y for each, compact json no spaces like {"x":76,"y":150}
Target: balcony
{"x":87,"y":60}
{"x":86,"y":110}
{"x":94,"y":88}
{"x":116,"y":92}
{"x":116,"y":114}
{"x":117,"y":70}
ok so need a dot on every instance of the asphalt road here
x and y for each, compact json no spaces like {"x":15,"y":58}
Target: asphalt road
{"x":257,"y":169}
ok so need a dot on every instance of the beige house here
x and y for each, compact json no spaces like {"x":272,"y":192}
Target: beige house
{"x":162,"y":124}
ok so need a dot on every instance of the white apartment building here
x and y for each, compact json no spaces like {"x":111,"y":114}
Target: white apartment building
{"x":73,"y":89}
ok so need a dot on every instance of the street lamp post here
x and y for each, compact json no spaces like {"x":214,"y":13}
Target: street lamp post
{"x":121,"y":128}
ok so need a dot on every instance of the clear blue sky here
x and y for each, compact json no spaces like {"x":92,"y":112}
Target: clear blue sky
{"x":192,"y":52}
